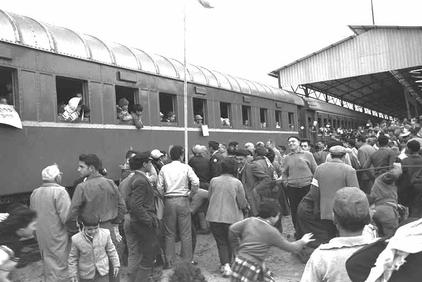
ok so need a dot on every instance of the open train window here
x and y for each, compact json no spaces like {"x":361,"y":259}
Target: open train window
{"x":334,"y":123}
{"x":278,"y":120}
{"x":168,"y":108}
{"x":6,"y":86}
{"x":291,"y":117}
{"x":199,"y":111}
{"x":263,"y":117}
{"x":72,"y":100}
{"x":126,"y":99}
{"x":246,"y":116}
{"x":225,"y":114}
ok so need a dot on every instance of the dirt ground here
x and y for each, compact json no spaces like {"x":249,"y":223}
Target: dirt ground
{"x":285,"y":266}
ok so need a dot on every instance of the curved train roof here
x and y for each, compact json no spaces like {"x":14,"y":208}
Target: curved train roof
{"x":25,"y":31}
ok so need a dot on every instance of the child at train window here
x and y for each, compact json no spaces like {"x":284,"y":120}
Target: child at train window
{"x":3,"y":101}
{"x":71,"y":111}
{"x":123,"y":110}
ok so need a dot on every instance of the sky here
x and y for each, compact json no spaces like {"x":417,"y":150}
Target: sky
{"x":244,"y":38}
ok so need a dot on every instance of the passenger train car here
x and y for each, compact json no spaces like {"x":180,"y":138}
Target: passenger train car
{"x":43,"y":66}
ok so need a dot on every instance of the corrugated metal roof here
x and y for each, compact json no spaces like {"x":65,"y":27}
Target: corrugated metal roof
{"x":25,"y":31}
{"x":359,"y":68}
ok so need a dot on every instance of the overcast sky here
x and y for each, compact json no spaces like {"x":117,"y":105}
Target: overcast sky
{"x":245,"y":38}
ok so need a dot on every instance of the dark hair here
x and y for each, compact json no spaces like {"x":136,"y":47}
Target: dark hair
{"x":130,"y":153}
{"x":228,"y":166}
{"x":361,"y":138}
{"x":351,"y":142}
{"x":89,"y":220}
{"x":213,"y":144}
{"x":413,"y":146}
{"x":91,"y":160}
{"x":292,"y":136}
{"x":242,"y":152}
{"x":19,"y":217}
{"x":233,"y":143}
{"x":268,"y":209}
{"x":136,"y":162}
{"x":383,"y":140}
{"x":352,"y":224}
{"x":176,"y":152}
{"x":305,"y":140}
{"x":186,"y":272}
{"x":270,"y":155}
{"x":138,"y":108}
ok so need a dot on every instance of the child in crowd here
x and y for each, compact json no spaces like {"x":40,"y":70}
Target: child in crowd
{"x":257,"y":235}
{"x":91,"y":251}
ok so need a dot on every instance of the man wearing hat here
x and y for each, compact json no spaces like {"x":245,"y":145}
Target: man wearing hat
{"x":52,"y":203}
{"x":315,"y":211}
{"x":157,"y":161}
{"x":350,"y":213}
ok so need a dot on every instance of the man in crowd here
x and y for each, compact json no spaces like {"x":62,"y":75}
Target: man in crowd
{"x":351,"y":214}
{"x":315,"y":213}
{"x":383,"y":159}
{"x":298,"y":170}
{"x":305,"y":145}
{"x":97,"y":196}
{"x":52,"y":203}
{"x":410,"y":192}
{"x":215,"y":160}
{"x":173,"y":183}
{"x":364,"y":152}
{"x":143,"y":225}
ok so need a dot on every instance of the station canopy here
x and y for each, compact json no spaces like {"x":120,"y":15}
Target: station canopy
{"x":379,"y":69}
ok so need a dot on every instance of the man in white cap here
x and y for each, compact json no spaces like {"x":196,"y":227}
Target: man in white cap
{"x":52,"y":203}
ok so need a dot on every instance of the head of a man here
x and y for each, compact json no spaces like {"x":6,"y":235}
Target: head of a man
{"x":141,"y":161}
{"x":176,"y":153}
{"x":52,"y":174}
{"x":88,"y":164}
{"x":413,"y":146}
{"x":305,"y":145}
{"x":213,"y":146}
{"x":270,"y":211}
{"x":294,"y":143}
{"x":242,"y":156}
{"x":351,"y":210}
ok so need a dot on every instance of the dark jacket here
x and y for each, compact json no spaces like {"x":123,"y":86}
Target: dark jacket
{"x":201,"y":167}
{"x":140,"y":200}
{"x":215,"y":165}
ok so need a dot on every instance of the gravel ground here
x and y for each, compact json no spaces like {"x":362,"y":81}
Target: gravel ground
{"x":285,"y":266}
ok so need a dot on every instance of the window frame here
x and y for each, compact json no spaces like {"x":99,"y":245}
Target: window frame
{"x":174,"y":106}
{"x":265,"y":112}
{"x":229,"y":114}
{"x":279,"y":114}
{"x":249,"y":113}
{"x":85,"y":96}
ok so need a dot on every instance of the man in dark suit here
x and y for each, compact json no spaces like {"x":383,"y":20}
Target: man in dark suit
{"x":215,"y":160}
{"x":143,"y":220}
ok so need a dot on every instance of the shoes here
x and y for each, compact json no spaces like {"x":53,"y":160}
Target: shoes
{"x":225,"y":270}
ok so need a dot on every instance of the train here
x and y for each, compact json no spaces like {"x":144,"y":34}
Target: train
{"x":42,"y":67}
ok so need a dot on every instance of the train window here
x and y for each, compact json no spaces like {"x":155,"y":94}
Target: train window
{"x":126,"y":98}
{"x":72,"y":102}
{"x":325,"y":122}
{"x":199,"y":111}
{"x":246,"y":116}
{"x":278,"y":120}
{"x":6,"y":87}
{"x":334,"y":124}
{"x":263,"y":116}
{"x":291,"y":117}
{"x":225,"y":114}
{"x":168,"y":108}
{"x":319,"y":122}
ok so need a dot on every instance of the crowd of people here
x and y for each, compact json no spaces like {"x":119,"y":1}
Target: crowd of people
{"x":343,"y":195}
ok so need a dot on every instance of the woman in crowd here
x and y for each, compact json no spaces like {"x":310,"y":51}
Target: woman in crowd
{"x":226,"y":201}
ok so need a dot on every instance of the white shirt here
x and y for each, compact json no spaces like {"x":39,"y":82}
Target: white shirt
{"x":174,"y":178}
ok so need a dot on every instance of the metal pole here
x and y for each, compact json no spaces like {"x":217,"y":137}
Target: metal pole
{"x":372,"y":11}
{"x":185,"y":87}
